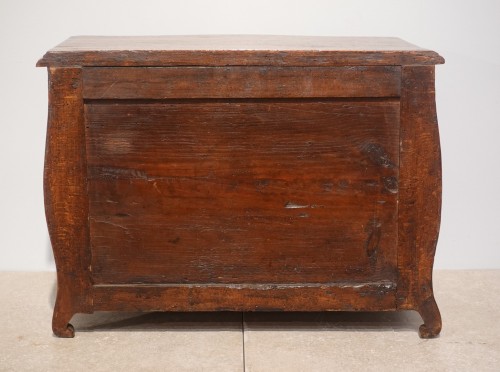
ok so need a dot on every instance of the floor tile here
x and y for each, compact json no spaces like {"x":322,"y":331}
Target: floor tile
{"x":110,"y":341}
{"x":470,"y":340}
{"x":469,"y":302}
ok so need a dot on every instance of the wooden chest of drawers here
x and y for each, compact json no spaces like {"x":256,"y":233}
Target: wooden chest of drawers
{"x":242,"y":173}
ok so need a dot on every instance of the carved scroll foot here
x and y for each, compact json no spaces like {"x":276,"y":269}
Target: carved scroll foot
{"x":429,"y":312}
{"x":63,"y":330}
{"x":63,"y":312}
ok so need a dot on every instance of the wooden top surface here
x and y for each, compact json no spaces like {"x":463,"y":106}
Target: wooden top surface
{"x":226,"y":50}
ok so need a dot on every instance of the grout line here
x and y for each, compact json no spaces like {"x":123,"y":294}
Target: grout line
{"x":243,"y":338}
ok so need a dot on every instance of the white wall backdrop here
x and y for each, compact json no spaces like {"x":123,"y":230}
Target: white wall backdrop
{"x":466,"y":33}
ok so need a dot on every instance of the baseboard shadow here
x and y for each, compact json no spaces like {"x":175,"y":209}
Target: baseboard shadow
{"x":255,"y":321}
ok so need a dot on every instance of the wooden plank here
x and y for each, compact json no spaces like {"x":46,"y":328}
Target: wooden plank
{"x":377,"y":296}
{"x":240,"y":82}
{"x":66,"y":202}
{"x":239,"y":50}
{"x":243,"y":192}
{"x":420,"y":196}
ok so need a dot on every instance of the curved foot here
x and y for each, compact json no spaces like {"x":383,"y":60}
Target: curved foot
{"x":429,"y":312}
{"x":426,"y":332}
{"x":66,"y":332}
{"x":63,"y":312}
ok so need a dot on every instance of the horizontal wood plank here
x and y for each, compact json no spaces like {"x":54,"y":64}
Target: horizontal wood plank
{"x":240,"y":82}
{"x":236,"y":50}
{"x":351,"y":296}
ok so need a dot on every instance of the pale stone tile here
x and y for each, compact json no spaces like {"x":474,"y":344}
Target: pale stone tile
{"x":110,"y":341}
{"x":469,"y":302}
{"x":470,"y":340}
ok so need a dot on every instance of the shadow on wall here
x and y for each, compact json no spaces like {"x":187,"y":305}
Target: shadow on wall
{"x":49,"y":255}
{"x":53,"y":293}
{"x":51,"y":264}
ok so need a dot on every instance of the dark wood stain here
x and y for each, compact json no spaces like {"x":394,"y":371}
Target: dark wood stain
{"x":203,"y":191}
{"x":208,"y":297}
{"x":420,"y":196}
{"x":240,"y":82}
{"x":66,"y":202}
{"x":286,"y":174}
{"x":227,"y":50}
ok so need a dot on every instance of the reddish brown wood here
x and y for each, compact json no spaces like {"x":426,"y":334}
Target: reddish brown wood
{"x":66,"y":203}
{"x":240,"y":195}
{"x":348,"y":296}
{"x":306,"y":176}
{"x":242,"y":50}
{"x":420,"y":196}
{"x":241,"y":82}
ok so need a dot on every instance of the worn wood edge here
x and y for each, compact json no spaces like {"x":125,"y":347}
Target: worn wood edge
{"x":65,"y":198}
{"x":420,"y":197}
{"x":251,"y":297}
{"x":144,"y":58}
{"x":196,"y":82}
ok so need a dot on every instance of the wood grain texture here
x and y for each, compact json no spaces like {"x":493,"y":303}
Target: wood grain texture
{"x":236,"y":50}
{"x":244,"y":173}
{"x":240,"y":82}
{"x":373,"y":296}
{"x":65,"y":192}
{"x":420,"y":196}
{"x":257,"y":192}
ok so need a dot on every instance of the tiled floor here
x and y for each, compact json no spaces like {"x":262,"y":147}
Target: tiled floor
{"x":470,"y":340}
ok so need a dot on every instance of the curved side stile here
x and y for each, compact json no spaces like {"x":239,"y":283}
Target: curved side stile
{"x":420,"y":196}
{"x":65,"y":195}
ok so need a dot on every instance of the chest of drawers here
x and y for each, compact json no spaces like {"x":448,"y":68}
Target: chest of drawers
{"x":245,"y":173}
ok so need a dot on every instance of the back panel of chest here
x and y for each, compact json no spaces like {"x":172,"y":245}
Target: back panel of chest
{"x":262,"y":191}
{"x":242,"y":173}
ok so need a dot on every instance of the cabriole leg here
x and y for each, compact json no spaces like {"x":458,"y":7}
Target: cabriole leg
{"x":65,"y":193}
{"x":432,"y":318}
